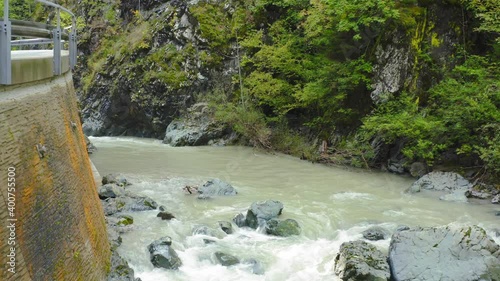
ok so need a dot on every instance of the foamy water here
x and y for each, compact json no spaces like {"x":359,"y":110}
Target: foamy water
{"x":332,"y":206}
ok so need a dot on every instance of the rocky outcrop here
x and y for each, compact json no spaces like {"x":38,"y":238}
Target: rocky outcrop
{"x":283,"y":228}
{"x":261,"y":212}
{"x":360,"y":261}
{"x":444,"y":253}
{"x":162,"y":254}
{"x":141,"y":89}
{"x":198,"y":127}
{"x":453,"y":184}
{"x":216,"y":187}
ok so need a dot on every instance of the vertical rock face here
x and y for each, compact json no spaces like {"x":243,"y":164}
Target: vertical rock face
{"x":400,"y":60}
{"x":60,"y":228}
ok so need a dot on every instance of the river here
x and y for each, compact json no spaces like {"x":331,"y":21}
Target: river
{"x":332,"y":205}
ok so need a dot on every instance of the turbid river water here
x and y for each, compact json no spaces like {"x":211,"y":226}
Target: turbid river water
{"x":332,"y":205}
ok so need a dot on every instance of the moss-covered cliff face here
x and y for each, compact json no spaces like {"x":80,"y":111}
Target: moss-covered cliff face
{"x":326,"y":70}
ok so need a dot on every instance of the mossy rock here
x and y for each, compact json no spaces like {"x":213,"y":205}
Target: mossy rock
{"x":285,"y":228}
{"x":125,"y":220}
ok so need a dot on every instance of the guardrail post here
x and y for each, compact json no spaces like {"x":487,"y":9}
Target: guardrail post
{"x":72,"y":45}
{"x":5,"y":56}
{"x":57,"y":46}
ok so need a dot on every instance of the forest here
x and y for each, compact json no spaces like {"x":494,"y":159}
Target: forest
{"x":373,"y":82}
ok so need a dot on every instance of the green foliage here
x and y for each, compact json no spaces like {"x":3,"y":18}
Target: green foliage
{"x":489,"y":13}
{"x":463,"y":114}
{"x":20,"y":9}
{"x":247,"y":121}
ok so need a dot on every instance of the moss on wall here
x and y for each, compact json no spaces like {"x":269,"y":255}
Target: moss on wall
{"x":59,"y":216}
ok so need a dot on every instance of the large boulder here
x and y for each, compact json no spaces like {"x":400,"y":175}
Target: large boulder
{"x":453,"y":184}
{"x":240,"y":220}
{"x":283,"y":228}
{"x":197,"y":128}
{"x":110,"y":190}
{"x":444,"y":253}
{"x":441,"y":181}
{"x":261,"y":212}
{"x":216,"y":187}
{"x":360,"y":261}
{"x":162,"y":254}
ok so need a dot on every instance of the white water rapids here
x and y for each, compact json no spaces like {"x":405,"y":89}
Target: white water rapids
{"x":332,"y":205}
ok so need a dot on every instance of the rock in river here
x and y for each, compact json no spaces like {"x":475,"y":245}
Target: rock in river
{"x":375,"y":233}
{"x":216,"y":187}
{"x":444,"y":253}
{"x":283,"y":228}
{"x":116,"y":179}
{"x":226,"y":226}
{"x":226,"y":259}
{"x":162,"y":254}
{"x":454,"y":184}
{"x":260,"y":212}
{"x":110,"y":190}
{"x":360,"y":261}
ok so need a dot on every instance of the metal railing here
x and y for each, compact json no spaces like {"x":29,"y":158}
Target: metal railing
{"x":38,"y":33}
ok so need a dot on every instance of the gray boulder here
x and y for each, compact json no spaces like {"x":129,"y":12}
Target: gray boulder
{"x":283,"y":228}
{"x":128,"y":202}
{"x":116,"y":179}
{"x":455,"y":196}
{"x":375,"y":233}
{"x":240,"y":220}
{"x":360,"y":261}
{"x":197,"y":128}
{"x":496,"y":199}
{"x":226,"y":259}
{"x":203,"y":230}
{"x":110,"y":190}
{"x":216,"y":187}
{"x":162,"y":254}
{"x":453,"y":184}
{"x":226,"y":226}
{"x":261,"y":212}
{"x":441,"y":181}
{"x":444,"y":253}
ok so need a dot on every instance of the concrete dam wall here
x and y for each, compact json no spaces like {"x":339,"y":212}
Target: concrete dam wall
{"x":52,"y":223}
